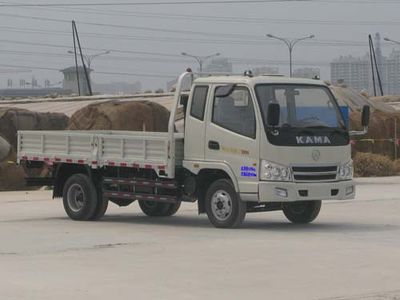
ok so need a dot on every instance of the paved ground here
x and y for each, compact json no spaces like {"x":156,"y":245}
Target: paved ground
{"x":351,"y":252}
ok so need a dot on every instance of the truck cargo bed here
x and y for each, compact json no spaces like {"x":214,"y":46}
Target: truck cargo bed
{"x":101,"y":148}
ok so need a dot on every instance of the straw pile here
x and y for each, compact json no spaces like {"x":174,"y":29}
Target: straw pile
{"x":133,"y":115}
{"x":14,"y":119}
{"x":355,"y":101}
{"x":11,"y":121}
{"x":386,"y":99}
{"x":5,"y":148}
{"x":381,"y":127}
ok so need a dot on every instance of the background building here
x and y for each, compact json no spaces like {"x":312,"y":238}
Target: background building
{"x":392,"y":73}
{"x":30,"y":88}
{"x":218,"y":65}
{"x":265,"y":71}
{"x":311,"y":73}
{"x":354,"y":72}
{"x":70,"y":82}
{"x":357,"y":73}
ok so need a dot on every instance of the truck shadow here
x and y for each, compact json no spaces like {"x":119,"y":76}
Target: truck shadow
{"x":251,"y":224}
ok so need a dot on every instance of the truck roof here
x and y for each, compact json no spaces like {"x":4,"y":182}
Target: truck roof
{"x":266,"y":79}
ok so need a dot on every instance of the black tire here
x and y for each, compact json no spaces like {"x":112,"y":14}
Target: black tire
{"x":80,"y":197}
{"x":223,"y":205}
{"x":158,"y":209}
{"x":101,"y":208}
{"x":173,"y":209}
{"x":302,"y":212}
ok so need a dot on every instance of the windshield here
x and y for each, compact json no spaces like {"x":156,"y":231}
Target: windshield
{"x":302,"y":106}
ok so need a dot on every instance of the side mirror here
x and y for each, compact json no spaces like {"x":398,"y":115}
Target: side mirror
{"x":365,"y":116}
{"x":364,"y":122}
{"x":274,"y":114}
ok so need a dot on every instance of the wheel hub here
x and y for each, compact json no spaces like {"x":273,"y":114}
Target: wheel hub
{"x":221,"y":205}
{"x":76,"y":197}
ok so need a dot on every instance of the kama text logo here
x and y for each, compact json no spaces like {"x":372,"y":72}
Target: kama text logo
{"x":313,"y":140}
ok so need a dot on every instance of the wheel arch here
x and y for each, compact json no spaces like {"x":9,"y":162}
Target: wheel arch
{"x":198,"y":167}
{"x":63,"y":172}
{"x":205,"y":178}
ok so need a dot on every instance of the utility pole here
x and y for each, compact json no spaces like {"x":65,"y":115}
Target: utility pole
{"x":200,"y":59}
{"x":78,"y":43}
{"x":374,"y":62}
{"x":76,"y":58}
{"x":290,"y":43}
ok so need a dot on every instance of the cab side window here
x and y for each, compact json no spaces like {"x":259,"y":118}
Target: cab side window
{"x":199,"y":102}
{"x":236,"y":112}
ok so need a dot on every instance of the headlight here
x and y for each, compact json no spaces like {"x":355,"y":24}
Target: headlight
{"x":274,"y":172}
{"x":345,"y":172}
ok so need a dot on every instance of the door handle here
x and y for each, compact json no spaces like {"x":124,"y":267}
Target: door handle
{"x":213,"y":145}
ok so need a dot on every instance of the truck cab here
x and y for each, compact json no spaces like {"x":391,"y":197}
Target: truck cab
{"x":282,"y":143}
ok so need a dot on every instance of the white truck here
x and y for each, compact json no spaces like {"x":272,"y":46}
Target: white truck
{"x":250,"y":144}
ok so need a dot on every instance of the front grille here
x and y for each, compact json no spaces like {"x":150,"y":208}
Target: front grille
{"x":317,"y":173}
{"x":315,"y":169}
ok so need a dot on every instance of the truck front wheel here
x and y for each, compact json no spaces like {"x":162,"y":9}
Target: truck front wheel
{"x":79,"y":197}
{"x":223,"y":205}
{"x":157,"y":209}
{"x":303,"y":212}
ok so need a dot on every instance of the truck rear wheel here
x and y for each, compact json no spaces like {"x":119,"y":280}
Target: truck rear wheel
{"x":173,"y":209}
{"x":158,"y":209}
{"x":79,"y":197}
{"x":303,"y":212}
{"x":223,"y":205}
{"x":101,"y":208}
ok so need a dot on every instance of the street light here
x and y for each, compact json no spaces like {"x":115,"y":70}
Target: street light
{"x":390,"y":40}
{"x":89,"y":58}
{"x":201,"y":59}
{"x":290,"y":43}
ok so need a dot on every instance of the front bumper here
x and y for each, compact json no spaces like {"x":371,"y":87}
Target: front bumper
{"x":292,"y":191}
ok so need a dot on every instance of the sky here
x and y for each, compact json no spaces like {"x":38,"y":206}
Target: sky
{"x":146,"y":40}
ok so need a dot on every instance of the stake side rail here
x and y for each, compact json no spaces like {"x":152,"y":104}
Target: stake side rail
{"x":141,"y":150}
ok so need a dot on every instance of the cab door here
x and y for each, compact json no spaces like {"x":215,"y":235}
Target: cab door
{"x":232,"y":134}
